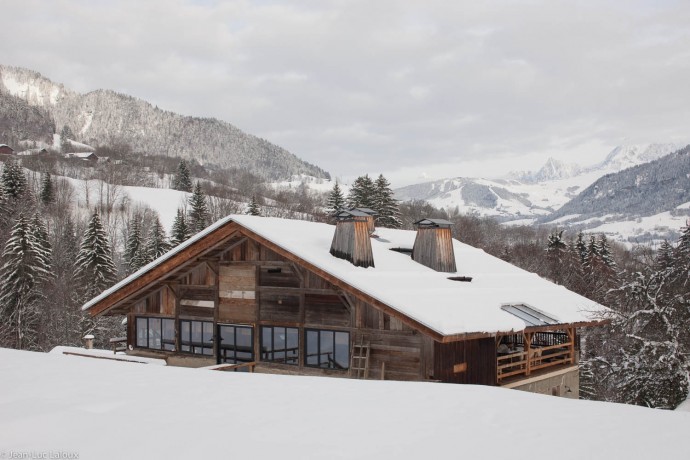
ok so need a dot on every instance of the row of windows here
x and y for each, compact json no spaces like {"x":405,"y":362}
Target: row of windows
{"x":323,"y":348}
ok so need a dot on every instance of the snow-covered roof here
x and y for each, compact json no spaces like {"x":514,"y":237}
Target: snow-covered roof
{"x":176,"y":412}
{"x":80,"y":155}
{"x":428,"y":297}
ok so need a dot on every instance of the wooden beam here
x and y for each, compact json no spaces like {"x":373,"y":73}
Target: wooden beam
{"x":295,"y":290}
{"x":171,"y":265}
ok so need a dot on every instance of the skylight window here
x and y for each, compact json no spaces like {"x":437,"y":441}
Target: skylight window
{"x":529,"y":315}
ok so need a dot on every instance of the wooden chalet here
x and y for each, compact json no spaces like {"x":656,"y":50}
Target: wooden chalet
{"x":6,"y":149}
{"x":283,"y":296}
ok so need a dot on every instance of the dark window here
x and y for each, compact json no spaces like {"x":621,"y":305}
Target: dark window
{"x":327,"y":349}
{"x":280,"y":344}
{"x":236,"y":344}
{"x":196,"y":337}
{"x":156,"y":333}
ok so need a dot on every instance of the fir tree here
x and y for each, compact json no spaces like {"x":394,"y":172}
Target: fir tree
{"x":254,"y":209}
{"x":336,"y":200}
{"x":605,"y":252}
{"x":581,"y":247}
{"x":39,"y":233}
{"x":94,"y":267}
{"x":198,"y":214}
{"x":47,"y":192}
{"x":135,"y":256}
{"x":681,"y":258}
{"x":22,"y":271}
{"x":664,"y":257}
{"x":555,"y":244}
{"x":182,"y":180}
{"x":157,"y":242}
{"x":362,"y":193}
{"x":385,"y":205}
{"x":13,"y":180}
{"x":180,"y":232}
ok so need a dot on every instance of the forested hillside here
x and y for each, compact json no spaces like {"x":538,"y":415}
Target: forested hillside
{"x":102,"y":118}
{"x":642,"y":190}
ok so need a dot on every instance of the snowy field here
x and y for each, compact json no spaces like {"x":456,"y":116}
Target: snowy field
{"x":102,"y":409}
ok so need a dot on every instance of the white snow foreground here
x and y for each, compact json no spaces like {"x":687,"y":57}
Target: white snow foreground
{"x":112,"y":410}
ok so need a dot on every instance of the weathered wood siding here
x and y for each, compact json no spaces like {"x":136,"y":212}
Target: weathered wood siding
{"x":237,"y":293}
{"x":433,"y":247}
{"x":476,"y":357}
{"x":351,"y":241}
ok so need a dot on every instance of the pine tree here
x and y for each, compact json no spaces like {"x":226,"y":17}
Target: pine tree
{"x":362,"y":193}
{"x":65,"y":312}
{"x":385,"y":205}
{"x":664,"y":257}
{"x":180,"y":232}
{"x":681,"y":258}
{"x":555,"y":244}
{"x":336,"y":200}
{"x":135,"y":255}
{"x":182,"y":180}
{"x":13,"y":180}
{"x":581,"y":247}
{"x":254,"y":209}
{"x":555,"y":251}
{"x":47,"y":192}
{"x":157,"y":242}
{"x":198,"y":214}
{"x":94,"y":267}
{"x":39,"y":233}
{"x":22,"y":271}
{"x":605,"y":251}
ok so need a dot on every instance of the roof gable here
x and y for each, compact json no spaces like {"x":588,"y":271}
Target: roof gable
{"x":429,"y":299}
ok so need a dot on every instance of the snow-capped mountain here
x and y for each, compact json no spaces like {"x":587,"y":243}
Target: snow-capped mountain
{"x":535,"y":194}
{"x":646,"y":202}
{"x":104,"y":117}
{"x":553,"y":169}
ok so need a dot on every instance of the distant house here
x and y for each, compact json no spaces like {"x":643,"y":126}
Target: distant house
{"x":284,"y":296}
{"x":86,"y":156}
{"x":6,"y":149}
{"x":33,"y":152}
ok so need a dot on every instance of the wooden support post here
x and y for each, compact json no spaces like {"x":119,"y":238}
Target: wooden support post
{"x":571,"y":337}
{"x":527,"y":338}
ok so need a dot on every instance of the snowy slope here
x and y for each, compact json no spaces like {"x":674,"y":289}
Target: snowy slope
{"x":111,"y":410}
{"x":528,"y":194}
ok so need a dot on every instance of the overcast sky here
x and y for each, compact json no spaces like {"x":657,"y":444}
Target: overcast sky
{"x":411,"y":89}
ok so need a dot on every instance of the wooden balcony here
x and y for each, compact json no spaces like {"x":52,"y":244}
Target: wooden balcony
{"x":535,"y":352}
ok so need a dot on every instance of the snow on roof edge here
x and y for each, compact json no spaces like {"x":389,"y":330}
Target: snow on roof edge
{"x":211,"y":228}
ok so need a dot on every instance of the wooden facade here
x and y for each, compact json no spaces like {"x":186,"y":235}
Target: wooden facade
{"x":433,"y":245}
{"x":6,"y":149}
{"x":236,"y":299}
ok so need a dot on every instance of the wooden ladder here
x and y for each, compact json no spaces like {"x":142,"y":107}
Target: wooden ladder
{"x":359,"y":361}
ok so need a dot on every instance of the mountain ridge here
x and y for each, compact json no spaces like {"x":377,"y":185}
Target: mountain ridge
{"x":106,"y":117}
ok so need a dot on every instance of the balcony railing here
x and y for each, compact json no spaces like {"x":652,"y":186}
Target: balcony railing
{"x":533,"y":355}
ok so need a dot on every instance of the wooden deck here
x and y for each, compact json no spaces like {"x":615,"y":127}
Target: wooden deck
{"x":535,"y":358}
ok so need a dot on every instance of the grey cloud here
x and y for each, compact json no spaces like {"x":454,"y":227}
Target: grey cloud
{"x":383,"y":86}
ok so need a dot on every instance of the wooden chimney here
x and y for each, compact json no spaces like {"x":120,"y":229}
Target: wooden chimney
{"x":433,"y":245}
{"x":371,"y":218}
{"x":351,"y":239}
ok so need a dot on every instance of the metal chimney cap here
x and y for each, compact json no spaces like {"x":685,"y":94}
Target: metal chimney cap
{"x":349,"y":214}
{"x":368,"y":211}
{"x":433,"y":223}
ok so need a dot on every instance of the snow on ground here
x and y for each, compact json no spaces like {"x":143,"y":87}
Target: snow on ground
{"x":164,"y":201}
{"x":316,"y":184}
{"x":112,"y":410}
{"x":626,"y":231}
{"x":105,"y":354}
